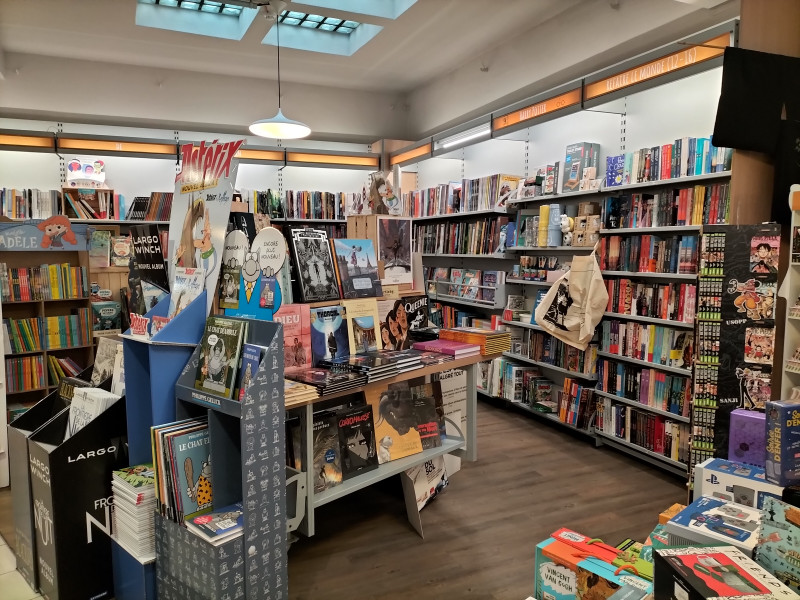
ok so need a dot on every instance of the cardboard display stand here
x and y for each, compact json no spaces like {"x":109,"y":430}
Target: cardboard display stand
{"x":71,"y":490}
{"x":247,"y":443}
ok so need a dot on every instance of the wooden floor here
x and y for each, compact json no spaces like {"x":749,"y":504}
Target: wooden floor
{"x":480,"y":536}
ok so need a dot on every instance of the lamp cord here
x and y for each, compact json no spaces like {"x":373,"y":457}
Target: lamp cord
{"x":278,"y":27}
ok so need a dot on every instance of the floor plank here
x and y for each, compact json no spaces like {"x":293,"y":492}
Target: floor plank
{"x":480,"y":536}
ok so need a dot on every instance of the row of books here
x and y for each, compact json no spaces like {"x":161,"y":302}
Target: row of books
{"x":29,"y":203}
{"x":106,"y":250}
{"x":25,"y":373}
{"x":698,"y":205}
{"x":443,"y":315}
{"x":649,"y":253}
{"x":685,"y":157}
{"x":463,"y":196}
{"x":58,"y":368}
{"x":155,"y":207}
{"x":87,"y":404}
{"x":66,"y":331}
{"x":656,"y":344}
{"x":490,"y":341}
{"x":709,"y":299}
{"x":655,"y":433}
{"x":315,"y":205}
{"x":45,"y":282}
{"x":484,"y":236}
{"x":470,"y":284}
{"x":672,"y":301}
{"x":91,"y":204}
{"x":650,"y":387}
{"x":543,"y":347}
{"x":574,"y":404}
{"x":712,"y":254}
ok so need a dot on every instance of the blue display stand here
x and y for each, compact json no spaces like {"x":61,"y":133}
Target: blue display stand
{"x":133,"y":580}
{"x":152,"y":367}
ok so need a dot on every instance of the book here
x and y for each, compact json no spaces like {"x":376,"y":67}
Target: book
{"x":327,"y":454}
{"x":451,"y":348}
{"x":187,"y":284}
{"x":356,"y":268}
{"x":456,"y":279}
{"x":357,"y":441}
{"x":329,"y":337}
{"x":313,"y":264}
{"x":395,"y":421}
{"x":471,"y":281}
{"x":118,"y":375}
{"x":104,"y":360}
{"x":251,"y":360}
{"x":219,"y":355}
{"x":146,"y":245}
{"x":296,"y":320}
{"x":120,"y":251}
{"x":394,"y":249}
{"x":362,"y":325}
{"x":87,"y":404}
{"x":190,"y":461}
{"x":106,"y":318}
{"x":100,"y":249}
{"x":489,"y":281}
{"x":427,"y":424}
{"x":157,"y":324}
{"x":233,"y":257}
{"x":218,"y":526}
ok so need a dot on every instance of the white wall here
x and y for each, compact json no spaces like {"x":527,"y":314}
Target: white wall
{"x":573,"y":44}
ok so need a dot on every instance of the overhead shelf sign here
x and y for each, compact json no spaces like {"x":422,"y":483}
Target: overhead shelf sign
{"x":560,"y":102}
{"x":676,"y":61}
{"x":410,"y":154}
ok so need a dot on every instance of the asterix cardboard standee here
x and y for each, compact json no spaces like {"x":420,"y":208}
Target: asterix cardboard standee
{"x":200,"y":209}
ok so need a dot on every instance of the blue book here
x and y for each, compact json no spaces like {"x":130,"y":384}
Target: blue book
{"x":615,"y":170}
{"x":783,"y":443}
{"x":218,"y":526}
{"x":190,"y":471}
{"x":251,"y":359}
{"x":329,"y":338}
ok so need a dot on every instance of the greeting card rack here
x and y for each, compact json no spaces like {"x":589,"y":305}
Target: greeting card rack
{"x":249,"y":466}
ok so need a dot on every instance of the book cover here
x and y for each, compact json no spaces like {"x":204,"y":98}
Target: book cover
{"x":439,"y":274}
{"x":236,"y":245}
{"x":106,"y":318}
{"x":394,"y":250}
{"x":104,"y":360}
{"x":427,"y":422}
{"x":191,"y":461}
{"x":219,"y":355}
{"x":313,"y":264}
{"x":764,"y":250}
{"x":327,"y":455}
{"x":251,"y":359}
{"x":100,"y":249}
{"x":456,"y":279}
{"x":329,"y":337}
{"x":357,"y":441}
{"x":357,"y":268}
{"x":362,"y":325}
{"x":120,"y":251}
{"x":395,"y":420}
{"x":219,"y":525}
{"x":296,"y":319}
{"x":470,"y":282}
{"x":187,"y":284}
{"x":137,"y":476}
{"x":758,"y":345}
{"x":146,"y":245}
{"x":489,"y":279}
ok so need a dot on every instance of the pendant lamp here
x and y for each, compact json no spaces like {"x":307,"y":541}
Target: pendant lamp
{"x":279,"y":127}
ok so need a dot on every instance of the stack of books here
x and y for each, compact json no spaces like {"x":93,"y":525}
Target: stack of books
{"x":449,"y":348}
{"x":374,"y":365}
{"x":218,"y":526}
{"x":295,"y":392}
{"x":328,"y":382}
{"x":490,"y":341}
{"x":134,"y":503}
{"x":87,"y":404}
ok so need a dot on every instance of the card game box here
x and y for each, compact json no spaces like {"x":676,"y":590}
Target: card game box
{"x":779,"y":548}
{"x":733,"y":481}
{"x":598,"y":580}
{"x":783,"y":443}
{"x":713,"y":521}
{"x":713,"y":573}
{"x":747,"y":440}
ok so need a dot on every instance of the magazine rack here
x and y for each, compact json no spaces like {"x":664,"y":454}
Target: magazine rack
{"x":152,"y":367}
{"x":23,"y":427}
{"x":71,"y":491}
{"x":249,"y":466}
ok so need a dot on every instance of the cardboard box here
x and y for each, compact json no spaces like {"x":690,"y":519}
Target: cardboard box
{"x":588,"y":208}
{"x":747,"y":441}
{"x":579,"y":156}
{"x":597,"y":580}
{"x":779,"y":550}
{"x":716,"y":572}
{"x":580,"y":223}
{"x":783,"y":443}
{"x":734,"y":482}
{"x":71,"y":488}
{"x":555,"y":571}
{"x":714,"y":521}
{"x":669,"y":513}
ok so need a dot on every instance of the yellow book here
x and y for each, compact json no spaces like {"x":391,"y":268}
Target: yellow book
{"x":53,"y":272}
{"x":393,"y":415}
{"x":362,"y":325}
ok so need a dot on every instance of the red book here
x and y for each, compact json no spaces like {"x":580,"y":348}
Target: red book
{"x":456,"y":349}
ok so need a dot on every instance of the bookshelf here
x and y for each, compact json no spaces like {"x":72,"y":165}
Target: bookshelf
{"x":791,"y":339}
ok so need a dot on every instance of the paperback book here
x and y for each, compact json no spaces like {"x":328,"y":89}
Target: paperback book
{"x":104,"y":359}
{"x":187,"y":285}
{"x":218,"y":526}
{"x":251,"y":359}
{"x":120,"y":251}
{"x":362,"y":325}
{"x":329,"y":337}
{"x":219,"y":355}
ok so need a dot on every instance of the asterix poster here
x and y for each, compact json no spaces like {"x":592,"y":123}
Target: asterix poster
{"x":394,"y":250}
{"x":200,"y":209}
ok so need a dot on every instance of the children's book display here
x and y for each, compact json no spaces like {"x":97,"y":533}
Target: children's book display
{"x":738,"y":280}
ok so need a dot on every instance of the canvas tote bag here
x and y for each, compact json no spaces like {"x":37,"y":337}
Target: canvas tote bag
{"x":575,"y":303}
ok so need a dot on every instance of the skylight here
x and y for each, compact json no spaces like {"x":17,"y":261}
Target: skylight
{"x":206,"y":6}
{"x":310,"y":21}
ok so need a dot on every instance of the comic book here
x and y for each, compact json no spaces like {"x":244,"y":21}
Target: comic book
{"x":394,"y":250}
{"x":251,"y":359}
{"x":357,"y":441}
{"x":356,"y":268}
{"x":187,"y":284}
{"x":329,"y":337}
{"x":296,"y":319}
{"x":327,"y":455}
{"x":313,"y":265}
{"x":362,"y":325}
{"x":220,"y":348}
{"x":236,"y":245}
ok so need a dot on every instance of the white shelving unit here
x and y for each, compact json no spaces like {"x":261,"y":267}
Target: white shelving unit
{"x":650,"y":320}
{"x":791,"y":291}
{"x":645,"y":275}
{"x":643,"y":363}
{"x":641,"y":406}
{"x":544,"y":365}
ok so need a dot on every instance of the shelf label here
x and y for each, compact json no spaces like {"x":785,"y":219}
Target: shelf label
{"x":670,"y":63}
{"x":570,"y":98}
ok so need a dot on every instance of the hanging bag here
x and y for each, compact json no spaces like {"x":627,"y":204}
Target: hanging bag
{"x":575,"y":303}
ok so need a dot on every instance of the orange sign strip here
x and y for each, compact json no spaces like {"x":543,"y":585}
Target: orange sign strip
{"x":570,"y":98}
{"x":28,"y":141}
{"x":275,"y":155}
{"x":112,"y":146}
{"x":333,"y":159}
{"x":676,"y":61}
{"x":415,"y":153}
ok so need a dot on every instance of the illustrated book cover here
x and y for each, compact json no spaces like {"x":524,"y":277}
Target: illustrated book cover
{"x":187,"y":285}
{"x":219,"y":355}
{"x":296,"y":319}
{"x":120,"y":251}
{"x":329,"y":337}
{"x":146,"y":245}
{"x":190,"y":454}
{"x":357,"y":268}
{"x":357,"y":441}
{"x":327,"y":456}
{"x":395,"y":420}
{"x":220,"y":525}
{"x":100,"y":249}
{"x":236,"y":245}
{"x":362,"y":325}
{"x":394,"y":250}
{"x":313,"y":265}
{"x":251,"y":359}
